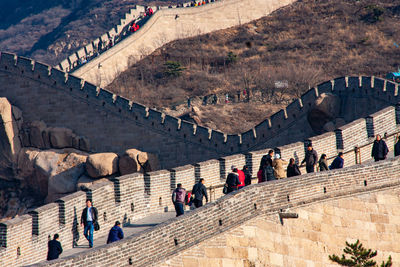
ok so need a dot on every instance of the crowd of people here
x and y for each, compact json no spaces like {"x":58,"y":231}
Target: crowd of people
{"x":271,"y":168}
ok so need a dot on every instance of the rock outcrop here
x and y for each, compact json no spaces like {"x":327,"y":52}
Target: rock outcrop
{"x":134,"y":160}
{"x":102,"y":164}
{"x":10,"y":144}
{"x":326,"y":108}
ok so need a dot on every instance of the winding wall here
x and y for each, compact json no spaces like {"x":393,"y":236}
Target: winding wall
{"x":64,"y":100}
{"x":167,"y":25}
{"x":113,"y":123}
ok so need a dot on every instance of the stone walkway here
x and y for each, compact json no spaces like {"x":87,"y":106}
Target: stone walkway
{"x":133,"y":228}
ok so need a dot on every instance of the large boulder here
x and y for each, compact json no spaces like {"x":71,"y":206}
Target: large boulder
{"x":128,"y":162}
{"x":102,"y":164}
{"x":56,"y":172}
{"x":326,"y":108}
{"x":66,"y":175}
{"x":60,"y":137}
{"x":37,"y":131}
{"x":10,"y":144}
{"x":17,"y":114}
{"x":134,"y":160}
{"x":25,"y":165}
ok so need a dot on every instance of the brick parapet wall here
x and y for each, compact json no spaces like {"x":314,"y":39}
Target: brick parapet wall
{"x":159,"y":243}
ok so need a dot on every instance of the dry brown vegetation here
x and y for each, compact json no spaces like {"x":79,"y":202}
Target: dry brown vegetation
{"x":305,"y":43}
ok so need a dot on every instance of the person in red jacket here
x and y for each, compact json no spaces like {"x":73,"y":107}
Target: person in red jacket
{"x":242,"y":177}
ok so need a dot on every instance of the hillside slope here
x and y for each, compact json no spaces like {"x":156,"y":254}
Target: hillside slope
{"x":49,"y":31}
{"x":279,"y":56}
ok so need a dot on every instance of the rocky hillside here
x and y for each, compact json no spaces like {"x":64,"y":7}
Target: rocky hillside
{"x":49,"y":31}
{"x":281,"y":55}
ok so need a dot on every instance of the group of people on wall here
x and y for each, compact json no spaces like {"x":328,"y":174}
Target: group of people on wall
{"x":271,"y":168}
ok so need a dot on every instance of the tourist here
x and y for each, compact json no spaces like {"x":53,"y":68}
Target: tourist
{"x":199,"y":191}
{"x":323,"y":163}
{"x":266,"y":159}
{"x":88,"y":220}
{"x":268,"y":173}
{"x":311,"y":159}
{"x":232,"y":180}
{"x":397,"y":147}
{"x":277,"y":164}
{"x":338,"y":162}
{"x":178,"y":198}
{"x":55,"y":248}
{"x":247,"y":179}
{"x":115,"y":233}
{"x":379,"y":149}
{"x":292,"y":169}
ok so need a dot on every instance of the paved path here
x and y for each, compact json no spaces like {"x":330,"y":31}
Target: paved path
{"x":133,"y":228}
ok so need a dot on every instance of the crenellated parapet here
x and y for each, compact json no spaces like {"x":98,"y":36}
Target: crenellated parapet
{"x":368,"y":104}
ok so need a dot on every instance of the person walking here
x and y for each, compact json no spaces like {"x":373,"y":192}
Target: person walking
{"x":338,"y":162}
{"x":247,"y":179}
{"x":292,"y":169}
{"x":311,"y":159}
{"x":268,"y":173}
{"x":277,"y":164}
{"x":199,"y":191}
{"x":55,"y":248}
{"x":233,"y":180}
{"x":323,"y":163}
{"x":379,"y":149}
{"x":115,"y":233}
{"x":397,"y":147}
{"x":88,"y":219}
{"x":178,"y":198}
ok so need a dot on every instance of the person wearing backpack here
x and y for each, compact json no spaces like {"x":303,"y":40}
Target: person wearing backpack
{"x":199,"y":191}
{"x":178,"y":198}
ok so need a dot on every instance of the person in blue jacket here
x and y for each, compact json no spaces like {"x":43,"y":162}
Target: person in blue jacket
{"x":338,"y":162}
{"x":115,"y":233}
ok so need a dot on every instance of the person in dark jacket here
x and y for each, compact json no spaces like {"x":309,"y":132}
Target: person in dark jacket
{"x":338,"y":162}
{"x":310,"y":159}
{"x":292,"y":169}
{"x":247,"y":180}
{"x":88,"y":219}
{"x":268,"y":173}
{"x":379,"y":149}
{"x":233,"y":180}
{"x":199,"y":191}
{"x":178,"y":198}
{"x":323,"y":163}
{"x":267,"y":159}
{"x":115,"y":233}
{"x":397,"y":147}
{"x":55,"y":248}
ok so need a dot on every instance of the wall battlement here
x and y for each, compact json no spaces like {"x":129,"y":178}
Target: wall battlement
{"x":46,"y":93}
{"x":181,"y":23}
{"x":159,"y":243}
{"x":90,"y":110}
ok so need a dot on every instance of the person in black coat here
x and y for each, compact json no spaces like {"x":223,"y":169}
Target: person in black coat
{"x":88,"y":220}
{"x":397,"y":147}
{"x":55,"y":248}
{"x":310,"y":159}
{"x":247,"y":175}
{"x":379,"y":149}
{"x":199,"y":191}
{"x":292,"y":169}
{"x":267,"y":159}
{"x":233,"y":180}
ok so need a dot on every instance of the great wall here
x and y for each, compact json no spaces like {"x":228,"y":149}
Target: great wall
{"x":179,"y":22}
{"x":239,"y":229}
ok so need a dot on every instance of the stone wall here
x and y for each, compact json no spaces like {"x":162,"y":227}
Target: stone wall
{"x":113,"y":123}
{"x":167,"y":25}
{"x":135,"y":196}
{"x":247,"y":208}
{"x":321,"y":230}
